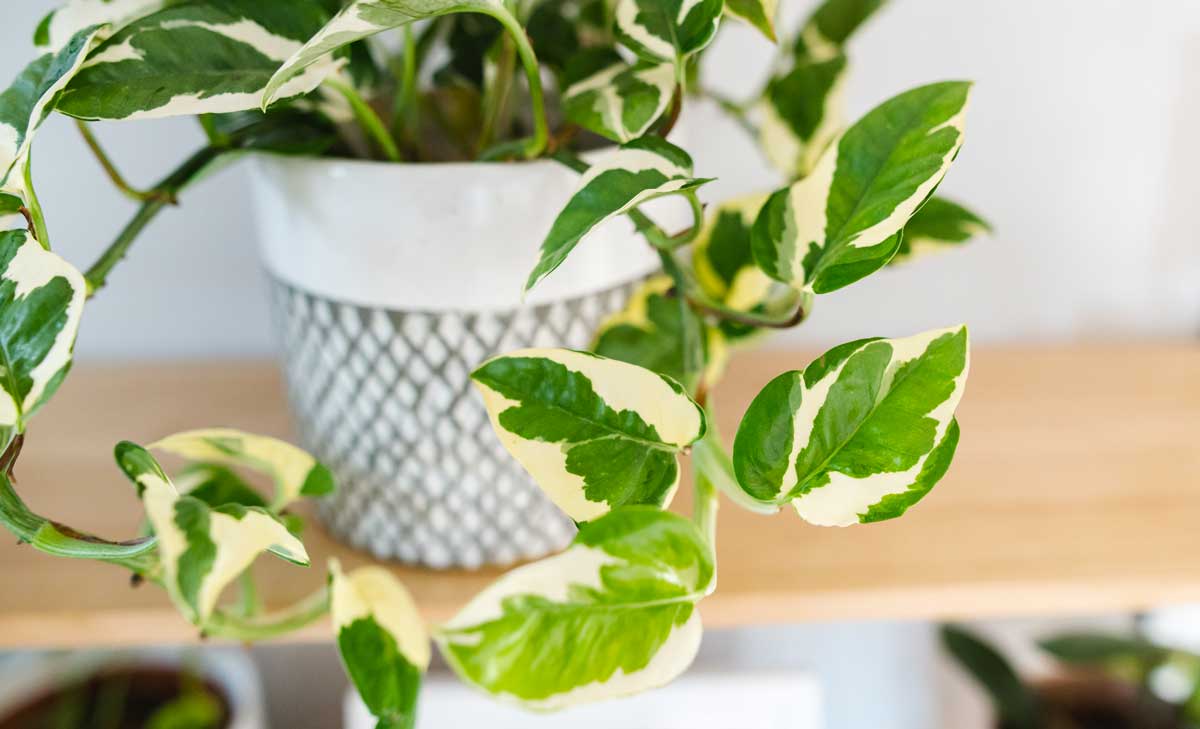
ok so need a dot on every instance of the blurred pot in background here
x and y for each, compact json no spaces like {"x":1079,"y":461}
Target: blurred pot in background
{"x":144,"y":689}
{"x":1106,"y":682}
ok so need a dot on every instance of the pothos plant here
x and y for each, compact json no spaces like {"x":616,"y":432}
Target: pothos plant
{"x":859,"y":435}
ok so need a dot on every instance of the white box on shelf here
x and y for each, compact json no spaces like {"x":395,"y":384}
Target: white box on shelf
{"x":705,"y":700}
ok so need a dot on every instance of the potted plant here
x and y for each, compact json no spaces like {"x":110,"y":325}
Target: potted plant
{"x":1108,"y":682}
{"x":144,"y":689}
{"x":860,"y":435}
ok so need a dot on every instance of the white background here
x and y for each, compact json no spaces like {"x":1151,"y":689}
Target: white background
{"x":1082,"y":149}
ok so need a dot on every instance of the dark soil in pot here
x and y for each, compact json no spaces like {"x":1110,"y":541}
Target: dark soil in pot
{"x":127,"y":698}
{"x":1095,"y":702}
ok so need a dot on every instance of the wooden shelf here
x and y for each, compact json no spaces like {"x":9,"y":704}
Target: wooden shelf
{"x":1076,"y":490}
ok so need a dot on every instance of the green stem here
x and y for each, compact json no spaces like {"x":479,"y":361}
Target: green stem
{"x":704,"y":305}
{"x":692,"y":338}
{"x":541,"y":130}
{"x":404,"y":123}
{"x":55,"y":539}
{"x":496,"y":94}
{"x":172,"y":184}
{"x":233,"y":626}
{"x":705,"y":508}
{"x":34,"y":206}
{"x":110,"y":168}
{"x":367,"y":119}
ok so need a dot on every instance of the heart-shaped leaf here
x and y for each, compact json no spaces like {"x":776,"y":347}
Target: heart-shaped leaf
{"x":634,"y":173}
{"x":861,"y":434}
{"x":613,"y":615}
{"x":41,"y":303}
{"x":620,"y":101}
{"x":382,"y":640}
{"x":844,"y":221}
{"x":593,"y":432}
{"x":202,"y":548}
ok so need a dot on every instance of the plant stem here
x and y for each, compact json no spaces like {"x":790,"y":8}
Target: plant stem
{"x":224,"y":624}
{"x":533,"y":73}
{"x":705,"y":508}
{"x":404,"y":122}
{"x":110,"y":168}
{"x":746,"y":318}
{"x":34,"y":207}
{"x":97,"y":275}
{"x":496,"y":93}
{"x":692,"y":338}
{"x":367,"y":119}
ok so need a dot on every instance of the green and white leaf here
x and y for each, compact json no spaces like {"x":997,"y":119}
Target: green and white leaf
{"x":593,"y":432}
{"x":30,"y":100}
{"x":296,"y":473}
{"x":722,"y":257}
{"x":10,"y":212}
{"x":41,"y":303}
{"x":831,"y":25}
{"x":634,"y":173}
{"x":667,"y":30}
{"x":650,"y":332}
{"x":362,"y":19}
{"x":202,"y":548}
{"x":612,"y":98}
{"x":861,"y":434}
{"x":759,"y":13}
{"x":844,"y":221}
{"x":61,"y":25}
{"x":803,"y":113}
{"x":613,"y":615}
{"x":939,"y":225}
{"x":197,"y":57}
{"x":382,"y":640}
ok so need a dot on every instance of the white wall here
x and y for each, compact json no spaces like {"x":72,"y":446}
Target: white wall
{"x":1081,"y":149}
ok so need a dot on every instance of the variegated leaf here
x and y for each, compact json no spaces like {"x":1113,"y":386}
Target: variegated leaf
{"x":724,"y":266}
{"x":364,"y":18}
{"x":382,"y":640}
{"x":613,"y":615}
{"x":860,"y":435}
{"x":939,"y":224}
{"x":10,"y":212}
{"x":296,"y":473}
{"x":844,"y":221}
{"x":41,"y":303}
{"x":30,"y":99}
{"x":722,"y":257}
{"x":667,"y":30}
{"x":593,"y":432}
{"x":803,"y":114}
{"x":620,"y":101}
{"x":802,"y":109}
{"x":197,"y":57}
{"x":831,"y":25}
{"x":61,"y":25}
{"x":759,"y":13}
{"x":202,"y":548}
{"x":650,"y":332}
{"x":632,"y":174}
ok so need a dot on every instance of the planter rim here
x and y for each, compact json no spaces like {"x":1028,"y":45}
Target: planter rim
{"x":435,"y":237}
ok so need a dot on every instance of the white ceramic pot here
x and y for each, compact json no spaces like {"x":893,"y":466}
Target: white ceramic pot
{"x":392,"y":283}
{"x":26,"y":677}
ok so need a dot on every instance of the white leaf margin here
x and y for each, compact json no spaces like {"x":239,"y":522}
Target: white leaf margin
{"x":30,"y":269}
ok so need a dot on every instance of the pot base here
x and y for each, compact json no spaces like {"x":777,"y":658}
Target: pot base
{"x":384,"y":398}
